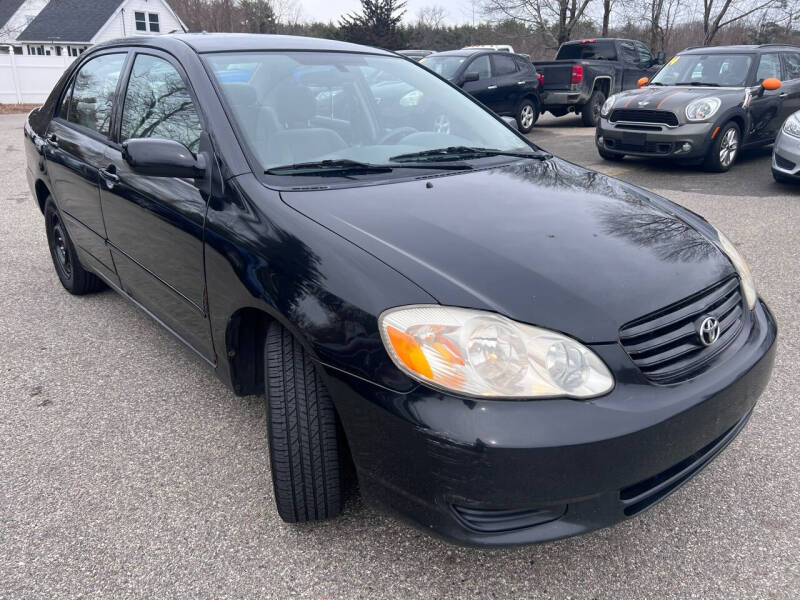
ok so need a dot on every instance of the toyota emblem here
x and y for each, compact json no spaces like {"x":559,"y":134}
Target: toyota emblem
{"x":708,"y":331}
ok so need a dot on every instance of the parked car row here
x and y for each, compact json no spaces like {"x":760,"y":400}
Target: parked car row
{"x":706,"y":105}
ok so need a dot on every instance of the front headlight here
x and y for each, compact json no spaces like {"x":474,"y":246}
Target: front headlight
{"x":745,"y":276}
{"x":792,"y":126}
{"x":607,"y":106}
{"x":483,"y":354}
{"x":702,"y":109}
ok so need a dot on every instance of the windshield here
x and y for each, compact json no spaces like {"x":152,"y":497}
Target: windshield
{"x":302,"y":107}
{"x":726,"y":70}
{"x":446,"y":66}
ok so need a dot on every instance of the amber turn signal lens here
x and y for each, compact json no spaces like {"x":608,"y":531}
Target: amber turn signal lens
{"x":409,"y":351}
{"x":771,"y":83}
{"x":643,"y":81}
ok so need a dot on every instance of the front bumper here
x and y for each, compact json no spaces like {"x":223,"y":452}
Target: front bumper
{"x":653,"y":140}
{"x":786,"y":155}
{"x":501,"y":472}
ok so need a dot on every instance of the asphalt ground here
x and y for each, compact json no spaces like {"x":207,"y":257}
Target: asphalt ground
{"x":128,"y":471}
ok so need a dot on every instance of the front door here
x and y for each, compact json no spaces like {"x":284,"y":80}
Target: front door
{"x":76,"y":143}
{"x":155,"y":224}
{"x":791,"y":83}
{"x":766,"y":109}
{"x":485,"y":89}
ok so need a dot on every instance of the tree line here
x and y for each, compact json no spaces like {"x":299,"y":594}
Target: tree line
{"x":535,"y":27}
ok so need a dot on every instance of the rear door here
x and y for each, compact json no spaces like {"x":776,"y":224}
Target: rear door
{"x":766,"y":110}
{"x":76,"y":143}
{"x":791,"y":83}
{"x":155,"y":225}
{"x":507,"y":77}
{"x":485,"y":88}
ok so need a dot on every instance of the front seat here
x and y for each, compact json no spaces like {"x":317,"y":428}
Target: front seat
{"x":298,"y":140}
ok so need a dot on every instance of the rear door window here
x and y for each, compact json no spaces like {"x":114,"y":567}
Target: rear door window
{"x":791,"y":62}
{"x":93,"y":92}
{"x":503,"y":65}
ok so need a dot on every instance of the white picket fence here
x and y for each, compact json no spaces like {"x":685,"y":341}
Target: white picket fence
{"x":29,"y":79}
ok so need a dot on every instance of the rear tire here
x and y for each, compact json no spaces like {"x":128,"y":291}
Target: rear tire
{"x":304,"y":446}
{"x":75,"y":279}
{"x":725,"y":149}
{"x":612,"y":156}
{"x":590,"y":114}
{"x":527,"y":115}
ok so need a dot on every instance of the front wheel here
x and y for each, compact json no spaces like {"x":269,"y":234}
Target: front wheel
{"x":590,"y":113}
{"x":527,"y":115}
{"x":304,"y":445}
{"x":75,"y":279}
{"x":724,"y":150}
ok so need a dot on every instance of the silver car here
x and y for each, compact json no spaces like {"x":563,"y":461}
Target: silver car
{"x":786,"y":151}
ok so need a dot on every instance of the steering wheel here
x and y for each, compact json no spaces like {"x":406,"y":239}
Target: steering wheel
{"x":395,"y":135}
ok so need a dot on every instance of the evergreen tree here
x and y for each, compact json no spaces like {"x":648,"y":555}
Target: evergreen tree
{"x":377,"y":25}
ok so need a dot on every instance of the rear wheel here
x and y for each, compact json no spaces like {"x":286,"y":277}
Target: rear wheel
{"x":724,"y":150}
{"x":75,"y":279}
{"x":527,"y":115}
{"x":304,"y":446}
{"x":590,"y":113}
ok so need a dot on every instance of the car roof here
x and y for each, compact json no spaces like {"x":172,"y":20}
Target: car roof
{"x":231,"y":42}
{"x":467,"y":52}
{"x":737,"y":48}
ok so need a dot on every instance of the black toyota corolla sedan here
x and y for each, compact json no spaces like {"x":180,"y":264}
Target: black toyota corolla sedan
{"x":509,"y":348}
{"x":704,"y":106}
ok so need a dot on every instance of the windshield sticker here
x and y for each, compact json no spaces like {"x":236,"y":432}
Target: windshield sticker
{"x":674,"y":60}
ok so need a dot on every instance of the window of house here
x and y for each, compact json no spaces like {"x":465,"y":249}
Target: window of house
{"x":93,"y":92}
{"x":141,"y":24}
{"x":153,"y":18}
{"x":158,"y":104}
{"x":17,"y":49}
{"x":58,"y":50}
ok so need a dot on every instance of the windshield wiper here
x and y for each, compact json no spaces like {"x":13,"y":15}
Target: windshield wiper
{"x":451,"y":152}
{"x":349,"y":166}
{"x":698,"y":83}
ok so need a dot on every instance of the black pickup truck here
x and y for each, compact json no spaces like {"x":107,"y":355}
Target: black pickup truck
{"x":586,"y":72}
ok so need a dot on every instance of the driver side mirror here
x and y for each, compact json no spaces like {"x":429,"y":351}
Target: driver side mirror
{"x":660,"y":58}
{"x":771,"y":83}
{"x":470,"y":76}
{"x":163,"y":158}
{"x":643,"y":81}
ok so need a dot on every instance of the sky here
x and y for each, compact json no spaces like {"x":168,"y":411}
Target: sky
{"x":458,"y":11}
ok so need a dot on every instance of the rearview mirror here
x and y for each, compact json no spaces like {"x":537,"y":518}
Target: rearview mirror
{"x":643,"y":81}
{"x":163,"y":158}
{"x":511,"y":122}
{"x":470,"y":76}
{"x":771,"y":83}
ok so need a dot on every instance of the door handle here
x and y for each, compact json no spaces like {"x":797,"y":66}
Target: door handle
{"x":109,"y":176}
{"x":782,"y":95}
{"x":492,"y":87}
{"x":52,"y":140}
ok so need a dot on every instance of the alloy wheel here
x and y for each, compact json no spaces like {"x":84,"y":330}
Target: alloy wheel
{"x":728,"y":147}
{"x":526,"y":116}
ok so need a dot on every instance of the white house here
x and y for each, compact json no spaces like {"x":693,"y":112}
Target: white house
{"x":68,"y":27}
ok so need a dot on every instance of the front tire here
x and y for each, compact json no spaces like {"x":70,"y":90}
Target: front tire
{"x":75,"y":279}
{"x":527,"y":115}
{"x":590,"y":114}
{"x":724,"y":150}
{"x":304,"y":447}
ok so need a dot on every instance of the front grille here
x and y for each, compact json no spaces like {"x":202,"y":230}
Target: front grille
{"x":665,"y":344}
{"x":487,"y":520}
{"x":637,"y":115}
{"x":649,"y":147}
{"x":644,"y":494}
{"x":784,"y":163}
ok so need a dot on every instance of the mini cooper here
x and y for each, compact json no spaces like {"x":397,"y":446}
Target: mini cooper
{"x":704,"y":106}
{"x":507,"y":347}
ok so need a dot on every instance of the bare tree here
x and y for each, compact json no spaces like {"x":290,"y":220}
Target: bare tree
{"x":432,"y":17}
{"x":543,"y":15}
{"x":721,"y":13}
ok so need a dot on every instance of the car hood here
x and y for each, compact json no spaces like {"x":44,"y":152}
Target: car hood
{"x":543,"y":242}
{"x":675,"y":98}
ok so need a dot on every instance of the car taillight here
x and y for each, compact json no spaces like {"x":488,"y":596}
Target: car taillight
{"x":577,"y":74}
{"x":541,"y":78}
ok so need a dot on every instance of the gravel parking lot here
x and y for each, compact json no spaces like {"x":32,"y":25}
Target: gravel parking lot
{"x":128,"y":471}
